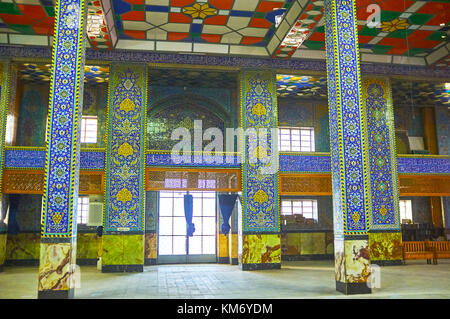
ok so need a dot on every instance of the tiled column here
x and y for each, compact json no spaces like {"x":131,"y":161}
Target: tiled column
{"x":151,"y":234}
{"x":59,"y":215}
{"x":259,"y":227}
{"x":233,"y":235}
{"x":350,"y":171}
{"x":385,"y":237}
{"x":4,"y":87}
{"x":123,"y":239}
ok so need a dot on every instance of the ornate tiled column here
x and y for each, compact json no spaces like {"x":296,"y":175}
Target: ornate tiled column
{"x":385,"y":237}
{"x":259,"y":226}
{"x":123,"y":239}
{"x":349,"y":167}
{"x":233,"y":235}
{"x":4,"y":88}
{"x":59,"y":222}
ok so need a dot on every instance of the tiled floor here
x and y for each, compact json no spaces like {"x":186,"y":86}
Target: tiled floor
{"x":305,"y":279}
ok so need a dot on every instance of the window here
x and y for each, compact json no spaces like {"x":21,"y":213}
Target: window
{"x":405,"y":210}
{"x":83,"y":209}
{"x":296,"y":139}
{"x":88,"y":129}
{"x":305,"y":207}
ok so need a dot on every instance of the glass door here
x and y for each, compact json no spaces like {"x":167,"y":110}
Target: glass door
{"x":173,"y":244}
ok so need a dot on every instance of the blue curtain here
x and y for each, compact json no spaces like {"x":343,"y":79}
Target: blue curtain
{"x":188,"y":204}
{"x":226,"y":204}
{"x":13,"y":226}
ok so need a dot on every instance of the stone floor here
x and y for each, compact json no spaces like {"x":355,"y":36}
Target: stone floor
{"x":300,"y":279}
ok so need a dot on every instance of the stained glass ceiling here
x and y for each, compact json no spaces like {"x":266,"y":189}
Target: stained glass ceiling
{"x":410,"y":31}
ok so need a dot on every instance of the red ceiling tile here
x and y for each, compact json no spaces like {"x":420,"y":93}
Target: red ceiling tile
{"x":134,"y":16}
{"x":216,"y":20}
{"x":417,"y":39}
{"x":259,"y":23}
{"x":267,"y":6}
{"x":181,"y":3}
{"x":136,"y":34}
{"x":394,"y":5}
{"x":361,"y":9}
{"x":211,"y":37}
{"x":364,"y":38}
{"x":176,"y":36}
{"x":222,"y":4}
{"x":43,"y":28}
{"x":251,"y":40}
{"x":399,"y":46}
{"x":135,"y":1}
{"x":434,"y":8}
{"x":179,"y":18}
{"x":317,"y":36}
{"x":35,"y":12}
{"x":16,"y":19}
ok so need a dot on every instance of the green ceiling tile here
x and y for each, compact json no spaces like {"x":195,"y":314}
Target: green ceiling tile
{"x":138,"y":7}
{"x":314,"y":45}
{"x":437,"y":36}
{"x":389,"y":15}
{"x":419,"y":18}
{"x":320,"y":29}
{"x":369,"y":31}
{"x":261,"y":15}
{"x":400,"y":34}
{"x":414,"y":51}
{"x":9,"y":8}
{"x":50,"y":11}
{"x":380,"y":49}
{"x":25,"y":29}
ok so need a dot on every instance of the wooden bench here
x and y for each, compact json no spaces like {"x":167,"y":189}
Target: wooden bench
{"x":441,"y":249}
{"x":418,"y":250}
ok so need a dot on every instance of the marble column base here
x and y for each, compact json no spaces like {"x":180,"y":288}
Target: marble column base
{"x":397,"y":262}
{"x":123,"y":253}
{"x":57,"y":270}
{"x":385,"y":248}
{"x":353,"y":288}
{"x":234,"y":261}
{"x":223,"y":260}
{"x":56,"y":294}
{"x":149,"y":261}
{"x":260,"y":251}
{"x":3,"y":238}
{"x":122,"y":268}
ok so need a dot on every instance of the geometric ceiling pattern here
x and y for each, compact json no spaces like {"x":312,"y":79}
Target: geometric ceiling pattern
{"x":241,"y":22}
{"x":410,"y":31}
{"x":408,"y":28}
{"x":303,"y":86}
{"x":35,"y":72}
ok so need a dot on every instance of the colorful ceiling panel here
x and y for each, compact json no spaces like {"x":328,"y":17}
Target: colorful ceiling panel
{"x":41,"y":72}
{"x":302,"y":86}
{"x":241,"y":22}
{"x":407,"y":28}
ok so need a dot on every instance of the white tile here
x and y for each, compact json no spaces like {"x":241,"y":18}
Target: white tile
{"x":293,"y":13}
{"x":157,"y":2}
{"x":28,"y":39}
{"x":175,"y":9}
{"x":176,"y":27}
{"x":245,"y":5}
{"x":173,"y":46}
{"x":224,"y":12}
{"x":3,"y":38}
{"x":379,"y":58}
{"x":156,"y":18}
{"x":414,"y":26}
{"x":215,"y":29}
{"x":430,"y":27}
{"x":408,"y":60}
{"x":237,"y":23}
{"x":437,"y":55}
{"x":309,"y":54}
{"x":156,"y":34}
{"x":248,"y":50}
{"x":135,"y":45}
{"x":232,"y":37}
{"x":136,"y":25}
{"x":273,"y":44}
{"x":416,"y":6}
{"x":375,"y":40}
{"x":283,"y":29}
{"x":210,"y":48}
{"x":36,"y":2}
{"x":253,"y":32}
{"x":197,"y":21}
{"x":405,"y":15}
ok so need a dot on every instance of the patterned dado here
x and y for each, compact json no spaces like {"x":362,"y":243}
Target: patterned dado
{"x":377,"y":102}
{"x":4,"y":88}
{"x":260,"y":189}
{"x":124,"y":200}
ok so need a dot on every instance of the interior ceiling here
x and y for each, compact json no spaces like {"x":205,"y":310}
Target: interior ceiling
{"x":409,"y":28}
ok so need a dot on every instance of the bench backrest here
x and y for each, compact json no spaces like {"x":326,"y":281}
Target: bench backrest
{"x":414,"y":246}
{"x":440,"y":245}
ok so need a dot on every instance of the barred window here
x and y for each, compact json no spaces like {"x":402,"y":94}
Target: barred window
{"x":405,"y":210}
{"x":83,"y":209}
{"x":296,"y":139}
{"x":305,"y":207}
{"x":89,"y":129}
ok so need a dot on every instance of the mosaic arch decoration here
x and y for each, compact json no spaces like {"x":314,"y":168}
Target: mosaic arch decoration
{"x":260,"y":191}
{"x":347,"y":131}
{"x":63,"y":150}
{"x":382,"y":160}
{"x":4,"y":91}
{"x":124,"y":199}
